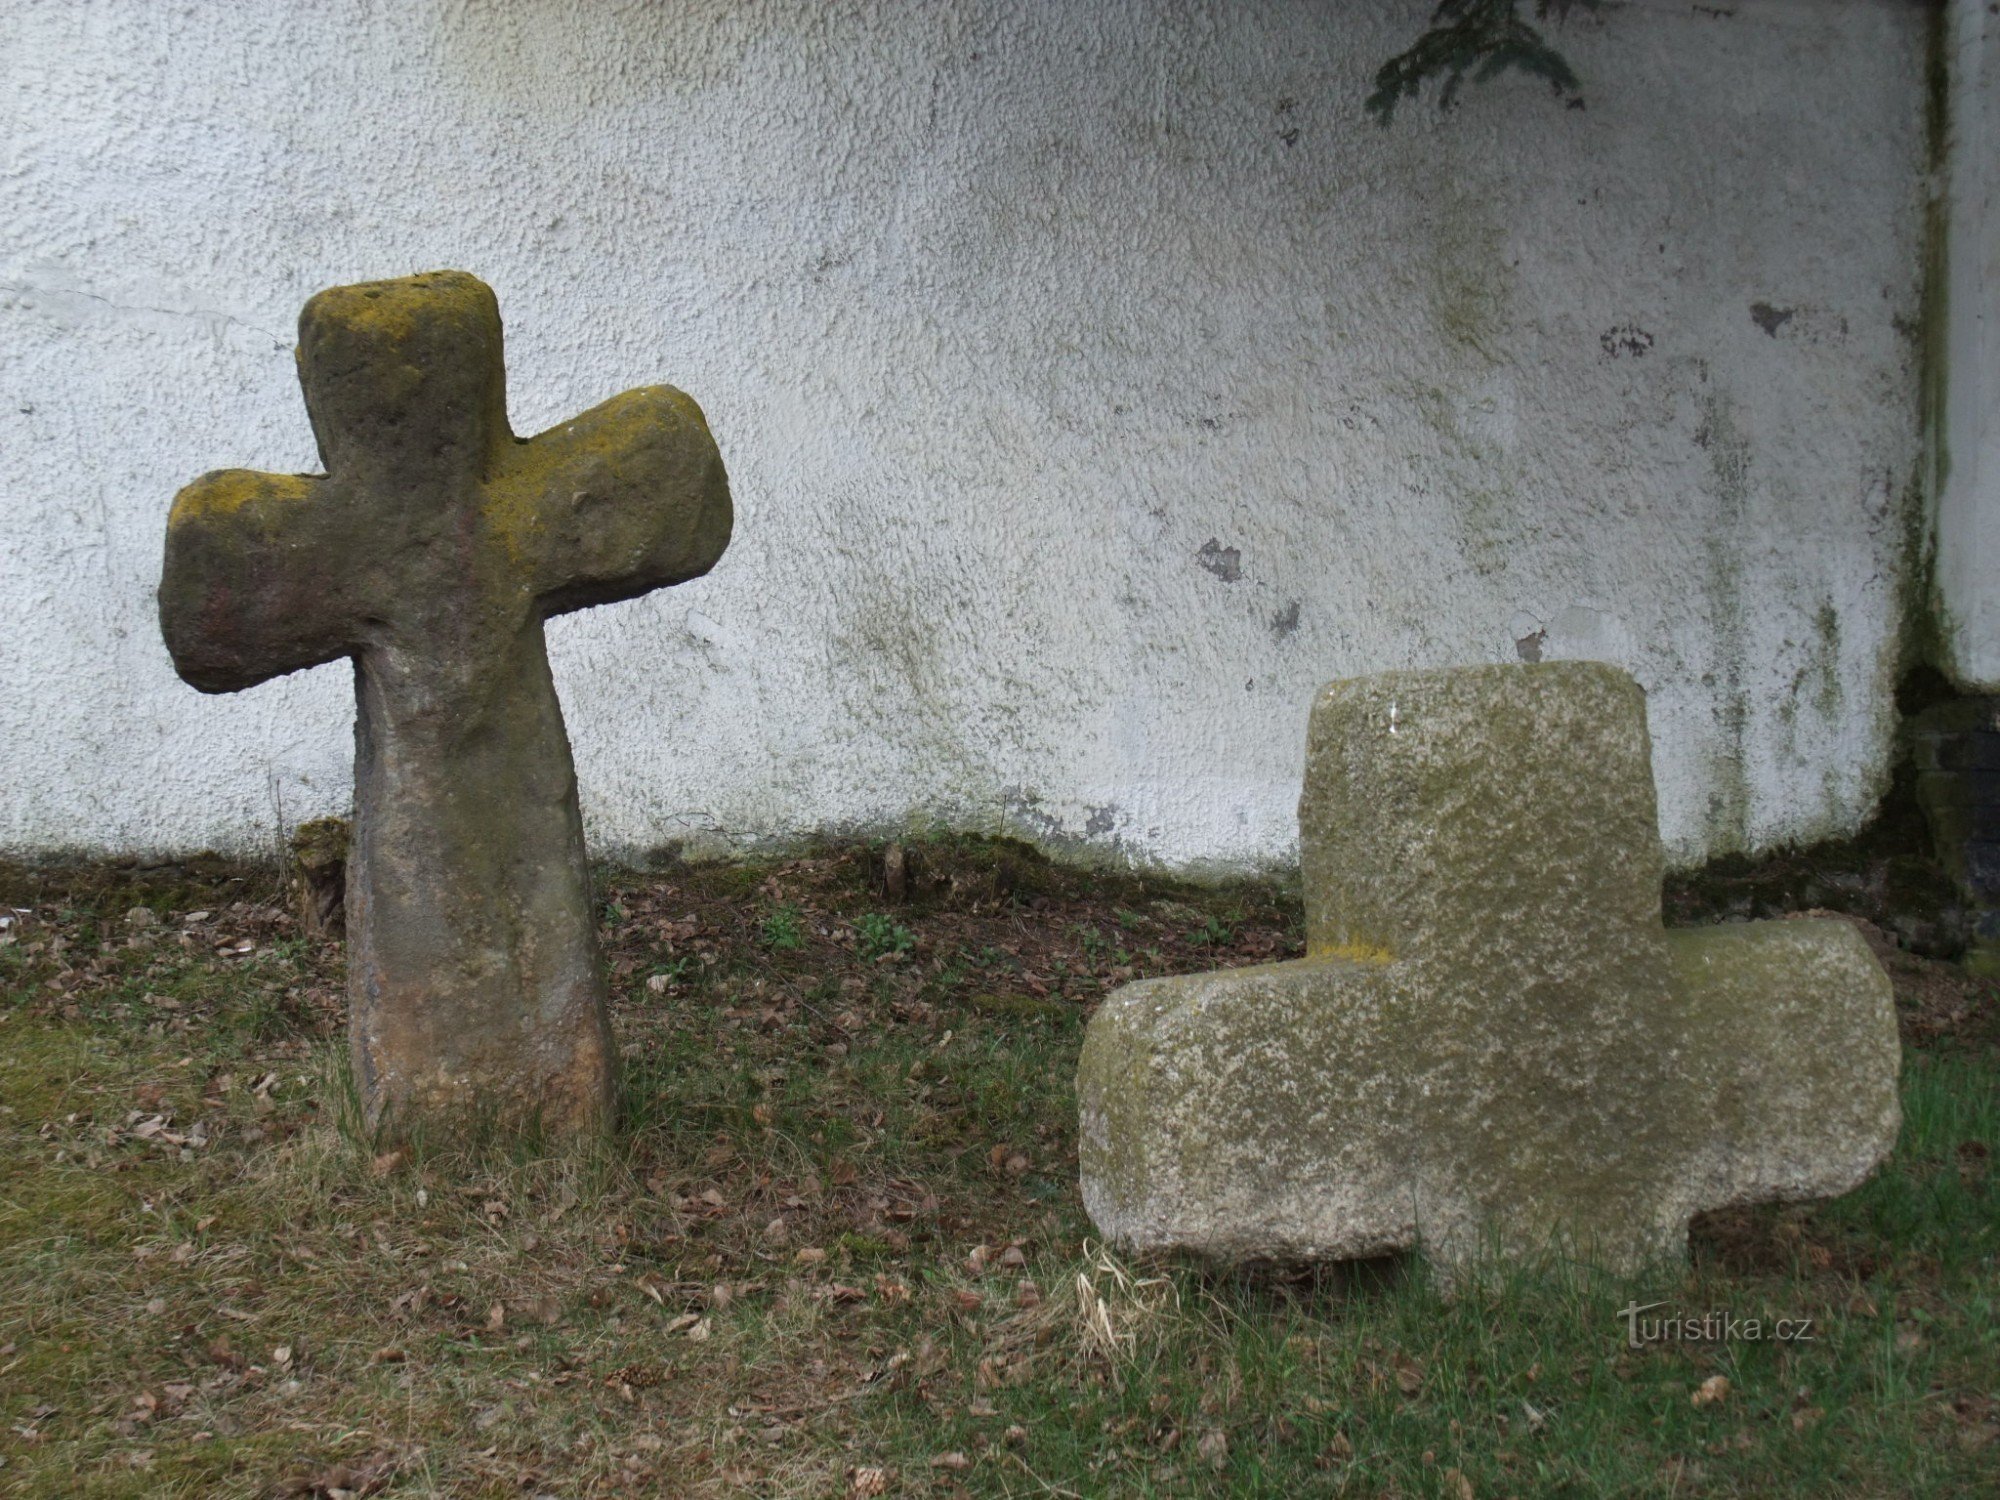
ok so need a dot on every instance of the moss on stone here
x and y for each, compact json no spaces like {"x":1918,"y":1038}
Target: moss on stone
{"x":321,"y":842}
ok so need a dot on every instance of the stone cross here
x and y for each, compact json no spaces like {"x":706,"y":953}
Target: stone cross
{"x":1492,"y":1046}
{"x":431,"y":552}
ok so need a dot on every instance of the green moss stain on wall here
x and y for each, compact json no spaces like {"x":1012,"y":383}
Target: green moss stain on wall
{"x":1484,"y":496}
{"x":1816,"y":681}
{"x":1926,"y":631}
{"x":1466,"y":275}
{"x":1728,"y":449}
{"x":887,"y":642}
{"x":1827,"y":695}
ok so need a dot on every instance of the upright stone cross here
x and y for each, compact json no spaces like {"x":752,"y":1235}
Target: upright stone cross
{"x":431,"y":552}
{"x":1491,"y":1046}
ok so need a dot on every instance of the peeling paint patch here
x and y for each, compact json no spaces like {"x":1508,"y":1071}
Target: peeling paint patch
{"x":1021,"y":807}
{"x":1286,"y":131}
{"x":1225,"y":563}
{"x":1770,"y":318}
{"x":1285,"y":621}
{"x":1024,"y":815}
{"x":826,"y":261}
{"x":1626,"y":339}
{"x":1529,"y":647}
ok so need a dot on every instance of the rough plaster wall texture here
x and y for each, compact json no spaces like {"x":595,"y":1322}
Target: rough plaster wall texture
{"x":1968,"y":521}
{"x":1001,"y":313}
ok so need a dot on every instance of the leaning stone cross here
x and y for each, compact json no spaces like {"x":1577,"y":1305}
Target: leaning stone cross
{"x":431,"y":552}
{"x":1491,"y":1046}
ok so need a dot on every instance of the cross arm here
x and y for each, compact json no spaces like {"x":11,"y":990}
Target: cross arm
{"x":628,"y":497}
{"x":252,"y":586}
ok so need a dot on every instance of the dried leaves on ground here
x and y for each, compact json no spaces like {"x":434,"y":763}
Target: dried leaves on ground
{"x":836,"y":1247}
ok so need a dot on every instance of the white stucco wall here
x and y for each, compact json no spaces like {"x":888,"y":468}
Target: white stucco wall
{"x":1968,"y":512}
{"x":1095,"y":380}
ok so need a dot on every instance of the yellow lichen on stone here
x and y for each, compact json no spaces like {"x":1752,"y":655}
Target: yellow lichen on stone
{"x":225,"y":492}
{"x":388,"y":319}
{"x":608,"y":453}
{"x":1354,"y":952}
{"x":682,"y":403}
{"x":510,"y":502}
{"x":393,"y":311}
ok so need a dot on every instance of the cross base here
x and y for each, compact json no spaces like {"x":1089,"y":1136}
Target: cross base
{"x":1291,"y":1113}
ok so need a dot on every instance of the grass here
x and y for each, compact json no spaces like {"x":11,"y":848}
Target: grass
{"x":836,"y":1246}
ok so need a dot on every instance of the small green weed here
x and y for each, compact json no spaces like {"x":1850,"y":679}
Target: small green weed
{"x":1213,"y":933}
{"x":784,"y":929}
{"x":882,"y":935}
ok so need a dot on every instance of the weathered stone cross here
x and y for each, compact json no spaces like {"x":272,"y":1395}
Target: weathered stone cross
{"x":1492,"y":1046}
{"x":431,"y":552}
